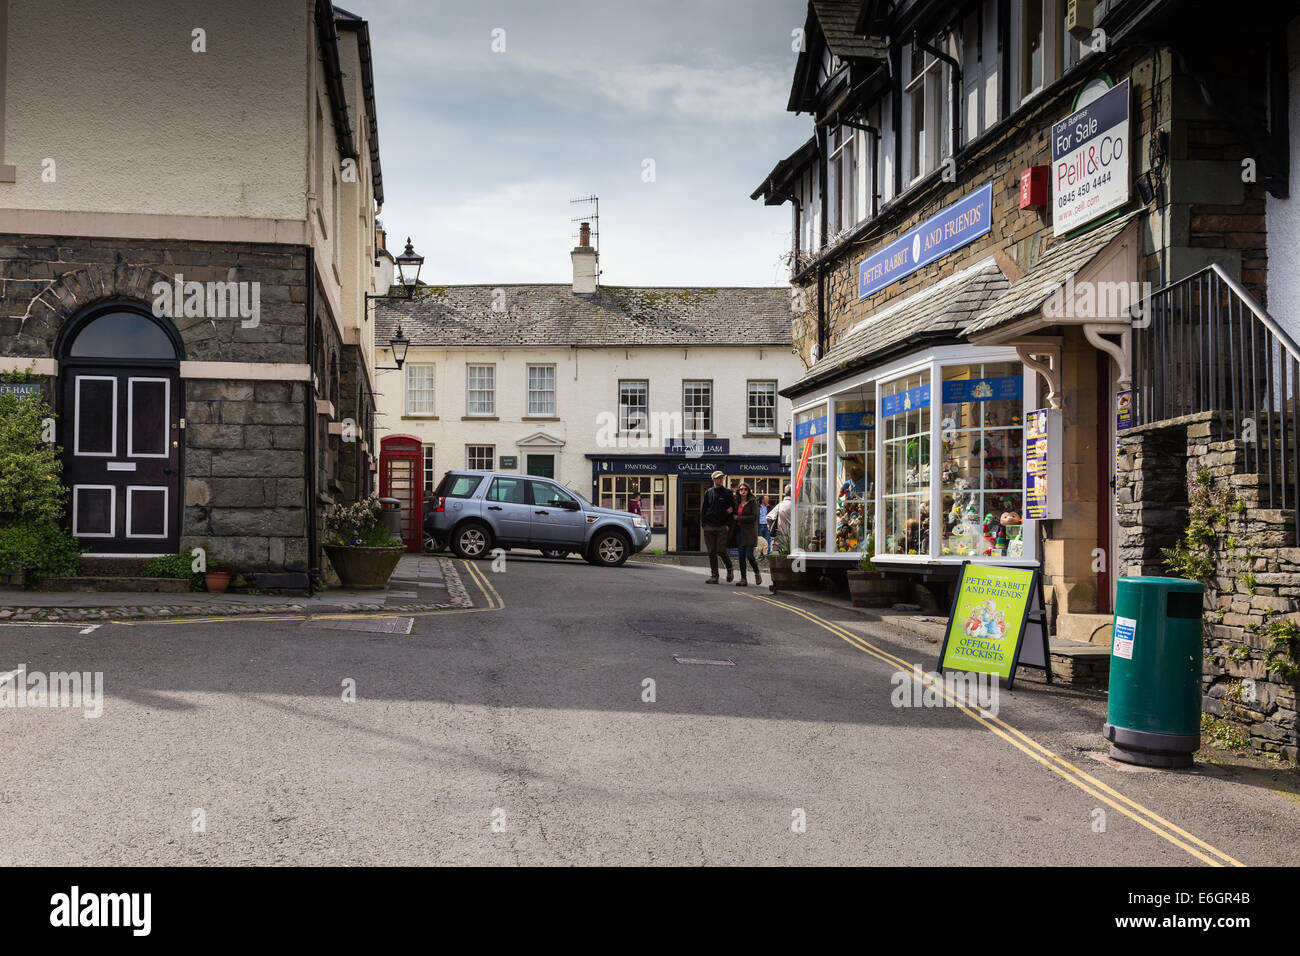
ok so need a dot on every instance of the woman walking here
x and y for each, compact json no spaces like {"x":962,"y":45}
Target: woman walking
{"x":746,"y":518}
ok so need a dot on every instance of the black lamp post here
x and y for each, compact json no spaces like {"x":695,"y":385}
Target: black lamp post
{"x":785,"y":443}
{"x":399,"y":343}
{"x":408,"y":269}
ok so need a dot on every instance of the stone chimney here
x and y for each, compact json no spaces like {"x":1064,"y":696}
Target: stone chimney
{"x":586,"y":264}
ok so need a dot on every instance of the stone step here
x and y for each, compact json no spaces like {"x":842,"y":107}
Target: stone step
{"x":118,"y":583}
{"x":106,"y":566}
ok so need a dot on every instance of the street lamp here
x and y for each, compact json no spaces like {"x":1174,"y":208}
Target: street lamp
{"x":399,"y":343}
{"x":785,"y":443}
{"x":408,"y":268}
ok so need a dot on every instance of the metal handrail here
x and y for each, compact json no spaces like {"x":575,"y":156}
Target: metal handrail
{"x":1206,"y":345}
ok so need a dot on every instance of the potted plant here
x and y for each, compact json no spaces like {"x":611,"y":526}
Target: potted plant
{"x":781,"y":567}
{"x":361,"y":547}
{"x":217,"y":576}
{"x":869,"y":587}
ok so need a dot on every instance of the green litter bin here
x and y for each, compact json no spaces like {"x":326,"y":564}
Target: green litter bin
{"x":1154,"y":715}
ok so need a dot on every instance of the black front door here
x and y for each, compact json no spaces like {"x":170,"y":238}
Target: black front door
{"x":692,"y":496}
{"x":121,"y":450}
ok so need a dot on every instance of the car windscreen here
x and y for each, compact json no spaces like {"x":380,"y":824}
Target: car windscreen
{"x":457,"y":486}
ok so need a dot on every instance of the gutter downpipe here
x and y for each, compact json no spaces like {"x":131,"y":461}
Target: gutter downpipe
{"x":309,"y":406}
{"x":824,"y":238}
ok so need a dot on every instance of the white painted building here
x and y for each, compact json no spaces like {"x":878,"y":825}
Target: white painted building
{"x":609,"y":390}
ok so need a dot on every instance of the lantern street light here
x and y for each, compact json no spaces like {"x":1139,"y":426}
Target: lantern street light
{"x":399,"y":343}
{"x":408,"y":269}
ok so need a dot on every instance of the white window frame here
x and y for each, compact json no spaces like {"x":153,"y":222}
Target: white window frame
{"x":431,"y":388}
{"x":549,"y":412}
{"x":688,"y":422}
{"x":470,"y":390}
{"x":930,"y":84}
{"x":843,"y":171}
{"x":750,"y":406}
{"x":427,"y":464}
{"x":469,"y":457}
{"x":1053,"y":34}
{"x":624,"y":424}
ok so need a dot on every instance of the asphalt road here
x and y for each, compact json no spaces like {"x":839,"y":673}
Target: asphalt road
{"x":523,"y":734}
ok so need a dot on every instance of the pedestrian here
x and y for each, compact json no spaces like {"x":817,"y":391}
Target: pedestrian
{"x":781,"y":516}
{"x":747,"y":533}
{"x":764,"y":531}
{"x":634,"y":503}
{"x":717,"y":510}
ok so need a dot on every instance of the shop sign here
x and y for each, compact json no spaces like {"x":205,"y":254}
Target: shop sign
{"x":697,"y":446}
{"x":961,"y":223}
{"x":996,"y":614}
{"x":983,"y":390}
{"x":810,"y":428}
{"x":855,"y":422}
{"x":918,"y":397}
{"x":20,"y":389}
{"x":1124,"y":410}
{"x":1090,"y":164}
{"x":1042,"y":467}
{"x":756,"y":468}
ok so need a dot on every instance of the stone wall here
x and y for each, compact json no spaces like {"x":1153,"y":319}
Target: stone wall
{"x":1253,"y":579}
{"x":243,"y":461}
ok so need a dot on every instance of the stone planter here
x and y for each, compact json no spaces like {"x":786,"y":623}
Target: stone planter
{"x":873,"y":589}
{"x":364,"y":568}
{"x":784,"y":578}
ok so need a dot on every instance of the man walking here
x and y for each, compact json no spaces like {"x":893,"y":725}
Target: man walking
{"x":716,"y":510}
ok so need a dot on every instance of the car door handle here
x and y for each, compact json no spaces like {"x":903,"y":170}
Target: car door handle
{"x":494,"y":507}
{"x":541,"y":512}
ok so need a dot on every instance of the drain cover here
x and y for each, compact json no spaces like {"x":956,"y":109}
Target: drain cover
{"x":692,"y":631}
{"x":371,"y":625}
{"x":703,"y":660}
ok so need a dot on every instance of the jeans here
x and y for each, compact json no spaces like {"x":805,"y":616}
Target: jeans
{"x":715,"y":540}
{"x":766,"y":534}
{"x":747,"y":554}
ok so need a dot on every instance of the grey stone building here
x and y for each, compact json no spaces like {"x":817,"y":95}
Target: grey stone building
{"x":201,"y":341}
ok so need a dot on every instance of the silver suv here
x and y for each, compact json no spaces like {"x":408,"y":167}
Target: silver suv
{"x":476,"y":511}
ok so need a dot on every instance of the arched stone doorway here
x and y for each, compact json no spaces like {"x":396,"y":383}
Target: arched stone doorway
{"x":120,"y":401}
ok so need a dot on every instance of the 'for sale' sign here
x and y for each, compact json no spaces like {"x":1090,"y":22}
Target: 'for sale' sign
{"x":1090,"y":163}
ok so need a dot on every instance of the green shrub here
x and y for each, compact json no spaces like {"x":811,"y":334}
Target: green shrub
{"x":31,"y":486}
{"x":174,"y":566}
{"x":42,"y":548}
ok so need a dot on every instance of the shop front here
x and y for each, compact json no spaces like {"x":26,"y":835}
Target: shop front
{"x":917,"y":463}
{"x":671,"y":487}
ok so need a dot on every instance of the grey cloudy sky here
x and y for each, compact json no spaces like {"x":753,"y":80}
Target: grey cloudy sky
{"x":482,"y":151}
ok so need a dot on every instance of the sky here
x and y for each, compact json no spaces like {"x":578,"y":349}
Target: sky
{"x":482,"y":151}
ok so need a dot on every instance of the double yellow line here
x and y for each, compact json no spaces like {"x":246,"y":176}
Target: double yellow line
{"x":1027,"y":745}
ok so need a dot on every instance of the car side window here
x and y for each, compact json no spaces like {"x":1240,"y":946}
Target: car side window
{"x":512,"y":491}
{"x":549,"y":496}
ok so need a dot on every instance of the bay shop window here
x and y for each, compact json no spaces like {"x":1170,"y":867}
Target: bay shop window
{"x":919,"y":463}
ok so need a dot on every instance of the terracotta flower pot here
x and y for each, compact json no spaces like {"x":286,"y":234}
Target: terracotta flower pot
{"x":873,"y":589}
{"x":364,"y":568}
{"x":216,"y":581}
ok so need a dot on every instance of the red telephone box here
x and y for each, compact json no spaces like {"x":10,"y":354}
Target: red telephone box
{"x":401,"y":476}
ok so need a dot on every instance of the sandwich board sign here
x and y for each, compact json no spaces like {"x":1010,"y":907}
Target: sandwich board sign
{"x":997,"y":623}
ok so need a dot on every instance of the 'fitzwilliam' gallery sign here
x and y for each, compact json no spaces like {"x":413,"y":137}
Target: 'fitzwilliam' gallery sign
{"x":961,"y":223}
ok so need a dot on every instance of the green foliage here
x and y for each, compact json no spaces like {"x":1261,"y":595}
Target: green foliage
{"x":174,"y":566}
{"x":1222,"y":734}
{"x":358,"y":525}
{"x":42,"y":548}
{"x":31,"y":488}
{"x":1194,"y":557}
{"x":867,"y":561}
{"x":1283,"y":656}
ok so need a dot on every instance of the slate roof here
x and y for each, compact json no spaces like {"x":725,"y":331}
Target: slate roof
{"x":940,"y":312}
{"x":1059,"y":263}
{"x":838,"y":19}
{"x":551,"y":315}
{"x":980,"y":298}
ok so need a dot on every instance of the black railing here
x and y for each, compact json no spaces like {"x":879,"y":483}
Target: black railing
{"x":1204,"y":344}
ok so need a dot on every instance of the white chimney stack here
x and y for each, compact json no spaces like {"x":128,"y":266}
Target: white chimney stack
{"x":586,"y":270}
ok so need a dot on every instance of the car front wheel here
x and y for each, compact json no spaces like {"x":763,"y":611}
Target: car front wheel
{"x":471,"y":541}
{"x":610,"y":549}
